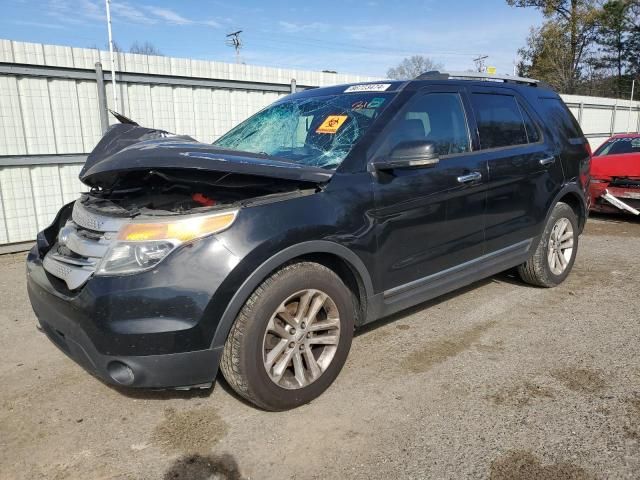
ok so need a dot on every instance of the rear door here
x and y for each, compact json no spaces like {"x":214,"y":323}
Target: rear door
{"x":525,"y":171}
{"x":575,"y":152}
{"x":429,"y":219}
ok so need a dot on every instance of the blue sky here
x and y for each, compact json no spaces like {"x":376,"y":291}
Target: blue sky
{"x":349,"y":36}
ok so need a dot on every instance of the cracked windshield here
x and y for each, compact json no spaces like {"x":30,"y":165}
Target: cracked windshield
{"x":313,"y":131}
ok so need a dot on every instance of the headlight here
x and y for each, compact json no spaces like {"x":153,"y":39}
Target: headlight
{"x":141,"y":246}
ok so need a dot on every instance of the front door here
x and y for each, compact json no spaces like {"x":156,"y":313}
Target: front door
{"x":429,"y":219}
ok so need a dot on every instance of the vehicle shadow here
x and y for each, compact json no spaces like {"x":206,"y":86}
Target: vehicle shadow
{"x":617,"y":218}
{"x":193,"y":394}
{"x":509,"y":276}
{"x":146,"y":394}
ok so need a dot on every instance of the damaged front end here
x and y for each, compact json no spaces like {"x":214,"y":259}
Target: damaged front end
{"x":616,"y":195}
{"x":152,"y":192}
{"x":615,"y":175}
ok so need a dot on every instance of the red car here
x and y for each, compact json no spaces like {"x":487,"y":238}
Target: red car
{"x":615,"y":175}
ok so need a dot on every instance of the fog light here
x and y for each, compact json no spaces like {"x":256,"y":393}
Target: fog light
{"x":121,"y":373}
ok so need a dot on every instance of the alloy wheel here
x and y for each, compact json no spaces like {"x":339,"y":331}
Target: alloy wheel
{"x":560,"y":247}
{"x":301,"y":339}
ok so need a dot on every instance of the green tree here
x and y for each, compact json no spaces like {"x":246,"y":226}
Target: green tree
{"x":631,"y":52}
{"x":613,"y":27}
{"x":576,"y":22}
{"x":413,"y":66}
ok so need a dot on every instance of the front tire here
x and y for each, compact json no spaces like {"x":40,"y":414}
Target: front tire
{"x":291,"y":338}
{"x":554,"y":257}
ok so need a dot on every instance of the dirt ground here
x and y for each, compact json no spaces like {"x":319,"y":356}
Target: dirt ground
{"x":499,"y":380}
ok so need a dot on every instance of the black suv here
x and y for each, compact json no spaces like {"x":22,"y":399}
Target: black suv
{"x":325,"y":211}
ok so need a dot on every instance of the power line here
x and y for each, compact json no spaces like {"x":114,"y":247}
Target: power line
{"x":233,"y":40}
{"x":479,"y":61}
{"x":347,"y":46}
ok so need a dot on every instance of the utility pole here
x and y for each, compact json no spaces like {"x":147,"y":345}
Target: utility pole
{"x":633,"y":86}
{"x":113,"y":61}
{"x":479,"y":61}
{"x":233,"y":40}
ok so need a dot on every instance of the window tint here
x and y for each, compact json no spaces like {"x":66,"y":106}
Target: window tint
{"x":533,"y":135}
{"x":561,"y":118}
{"x":434,"y":117}
{"x":499,"y":120}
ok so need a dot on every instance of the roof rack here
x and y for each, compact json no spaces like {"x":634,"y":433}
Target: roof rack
{"x":478,"y":76}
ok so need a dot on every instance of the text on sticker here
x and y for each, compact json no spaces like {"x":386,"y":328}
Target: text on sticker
{"x":331,"y":124}
{"x":368,"y":87}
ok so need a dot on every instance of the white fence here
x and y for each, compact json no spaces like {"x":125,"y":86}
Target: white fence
{"x":602,"y":117}
{"x":52,"y":114}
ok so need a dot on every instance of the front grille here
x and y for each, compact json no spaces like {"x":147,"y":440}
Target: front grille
{"x":80,"y":245}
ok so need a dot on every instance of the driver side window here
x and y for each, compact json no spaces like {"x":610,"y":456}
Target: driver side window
{"x":433,"y":117}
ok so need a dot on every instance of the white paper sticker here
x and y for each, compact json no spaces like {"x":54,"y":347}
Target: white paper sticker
{"x":368,"y":87}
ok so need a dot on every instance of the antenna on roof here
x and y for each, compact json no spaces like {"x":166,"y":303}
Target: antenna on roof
{"x":233,"y":40}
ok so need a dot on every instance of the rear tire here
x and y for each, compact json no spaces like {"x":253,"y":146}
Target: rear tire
{"x":280,"y":354}
{"x":554,"y":257}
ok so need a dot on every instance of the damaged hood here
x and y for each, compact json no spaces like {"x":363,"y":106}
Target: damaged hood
{"x":128,"y":147}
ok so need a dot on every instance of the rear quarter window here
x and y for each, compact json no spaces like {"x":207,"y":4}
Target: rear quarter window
{"x":533,"y":134}
{"x":561,"y":119}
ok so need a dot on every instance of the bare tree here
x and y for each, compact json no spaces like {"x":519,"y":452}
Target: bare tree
{"x":413,"y":66}
{"x":546,"y":57}
{"x":116,"y":47}
{"x":145,"y":48}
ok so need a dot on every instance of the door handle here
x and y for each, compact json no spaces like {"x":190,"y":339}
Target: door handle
{"x":547,"y":161}
{"x":470,"y":177}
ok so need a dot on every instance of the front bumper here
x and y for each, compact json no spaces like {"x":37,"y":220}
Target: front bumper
{"x":612,"y":199}
{"x":150,"y":330}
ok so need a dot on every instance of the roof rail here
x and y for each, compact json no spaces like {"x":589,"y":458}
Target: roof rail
{"x":480,"y":76}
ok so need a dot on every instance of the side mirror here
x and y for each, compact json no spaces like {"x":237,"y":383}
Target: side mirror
{"x":412,"y":154}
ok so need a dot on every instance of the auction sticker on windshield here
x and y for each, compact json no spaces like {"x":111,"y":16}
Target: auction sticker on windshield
{"x":368,"y":87}
{"x":331,"y":124}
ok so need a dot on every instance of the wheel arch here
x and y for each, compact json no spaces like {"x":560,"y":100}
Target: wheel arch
{"x":572,"y":196}
{"x":345,"y":263}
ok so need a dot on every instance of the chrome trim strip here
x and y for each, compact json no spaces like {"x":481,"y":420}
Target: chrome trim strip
{"x":73,"y":261}
{"x":74,"y":276}
{"x":94,"y":221}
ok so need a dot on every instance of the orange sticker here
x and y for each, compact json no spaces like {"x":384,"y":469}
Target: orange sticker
{"x":331,"y":124}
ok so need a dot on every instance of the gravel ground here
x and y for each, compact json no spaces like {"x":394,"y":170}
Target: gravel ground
{"x":499,"y":380}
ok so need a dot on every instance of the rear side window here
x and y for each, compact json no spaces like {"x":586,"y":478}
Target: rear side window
{"x":500,"y":122}
{"x":561,"y":119}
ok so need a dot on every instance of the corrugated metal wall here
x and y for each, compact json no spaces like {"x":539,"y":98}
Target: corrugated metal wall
{"x":49,"y":115}
{"x":59,"y":116}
